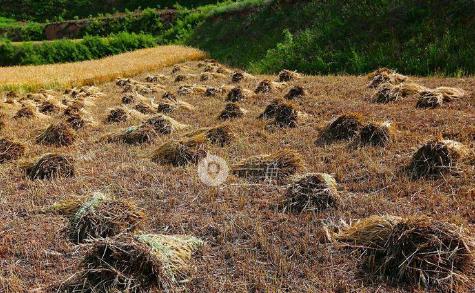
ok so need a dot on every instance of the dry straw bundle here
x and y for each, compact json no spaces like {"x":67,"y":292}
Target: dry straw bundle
{"x":276,"y":167}
{"x":163,"y":124}
{"x":10,"y":150}
{"x":51,"y":166}
{"x":377,"y":134}
{"x":58,"y":134}
{"x":25,"y":112}
{"x":385,"y":75}
{"x":433,"y":98}
{"x":265,"y":86}
{"x":295,"y":93}
{"x":312,"y":192}
{"x":437,"y":157}
{"x":283,"y":112}
{"x":344,"y":127}
{"x":415,"y":250}
{"x":180,"y":153}
{"x":231,"y":111}
{"x":47,"y":107}
{"x":136,"y":263}
{"x":388,"y":92}
{"x":235,"y":95}
{"x":287,"y":75}
{"x":134,"y":135}
{"x":220,"y":135}
{"x":117,"y":115}
{"x":99,"y":216}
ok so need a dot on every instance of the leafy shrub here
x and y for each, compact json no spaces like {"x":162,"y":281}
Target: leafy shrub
{"x":70,"y":51}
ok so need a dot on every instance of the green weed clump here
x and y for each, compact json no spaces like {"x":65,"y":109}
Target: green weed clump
{"x":71,"y":51}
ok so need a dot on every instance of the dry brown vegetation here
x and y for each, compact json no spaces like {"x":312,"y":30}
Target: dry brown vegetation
{"x":259,"y":236}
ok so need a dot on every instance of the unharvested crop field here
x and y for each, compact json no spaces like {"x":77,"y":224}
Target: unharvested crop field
{"x":96,"y":71}
{"x":251,"y":243}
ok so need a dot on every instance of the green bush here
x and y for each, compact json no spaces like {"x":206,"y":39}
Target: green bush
{"x":71,"y":51}
{"x":42,"y":10}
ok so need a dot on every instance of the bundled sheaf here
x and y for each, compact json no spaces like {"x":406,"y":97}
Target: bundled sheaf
{"x":134,"y":135}
{"x":295,"y":92}
{"x":117,"y":115}
{"x":433,"y":98}
{"x":416,"y":250}
{"x":437,"y":157}
{"x":376,"y":134}
{"x":276,"y":167}
{"x":163,"y":124}
{"x":283,"y":112}
{"x":220,"y":135}
{"x":181,"y":152}
{"x":25,"y":112}
{"x":10,"y":150}
{"x":388,"y":92}
{"x":58,"y":134}
{"x":51,"y":166}
{"x":235,"y":95}
{"x":265,"y":86}
{"x":385,"y":75}
{"x":231,"y":111}
{"x":101,"y":216}
{"x":345,"y":127}
{"x":287,"y":75}
{"x":312,"y":192}
{"x":136,"y":263}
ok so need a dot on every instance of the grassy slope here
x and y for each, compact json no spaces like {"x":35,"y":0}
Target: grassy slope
{"x":418,"y":37}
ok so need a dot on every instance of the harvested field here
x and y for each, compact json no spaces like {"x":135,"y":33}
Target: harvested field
{"x":251,"y":242}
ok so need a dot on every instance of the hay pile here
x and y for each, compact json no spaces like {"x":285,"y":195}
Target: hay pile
{"x":294,"y":93}
{"x":51,"y":166}
{"x":176,"y":68}
{"x":231,"y":111}
{"x":164,"y":125}
{"x":180,"y":153}
{"x":385,"y":75}
{"x":58,"y":134}
{"x":169,"y":96}
{"x":10,"y":150}
{"x":286,"y":115}
{"x":287,"y":75}
{"x":220,"y":135}
{"x":136,"y":263}
{"x":144,"y":108}
{"x":271,"y":110}
{"x":312,"y":192}
{"x":117,"y":115}
{"x":25,"y":112}
{"x":48,"y":108}
{"x":433,"y":98}
{"x":265,"y":86}
{"x":134,"y":135}
{"x":276,"y":167}
{"x":101,"y":216}
{"x":128,"y":99}
{"x":166,"y":107}
{"x":344,"y":127}
{"x":376,"y":134}
{"x":185,"y":90}
{"x":388,"y":92}
{"x":416,"y":250}
{"x":235,"y":95}
{"x":212,"y":91}
{"x":437,"y":157}
{"x":75,"y":121}
{"x":237,"y":77}
{"x":180,"y":78}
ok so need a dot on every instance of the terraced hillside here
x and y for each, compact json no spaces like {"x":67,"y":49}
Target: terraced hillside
{"x":135,"y":144}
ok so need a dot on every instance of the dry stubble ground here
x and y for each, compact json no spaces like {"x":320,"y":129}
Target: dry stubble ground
{"x":251,"y":245}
